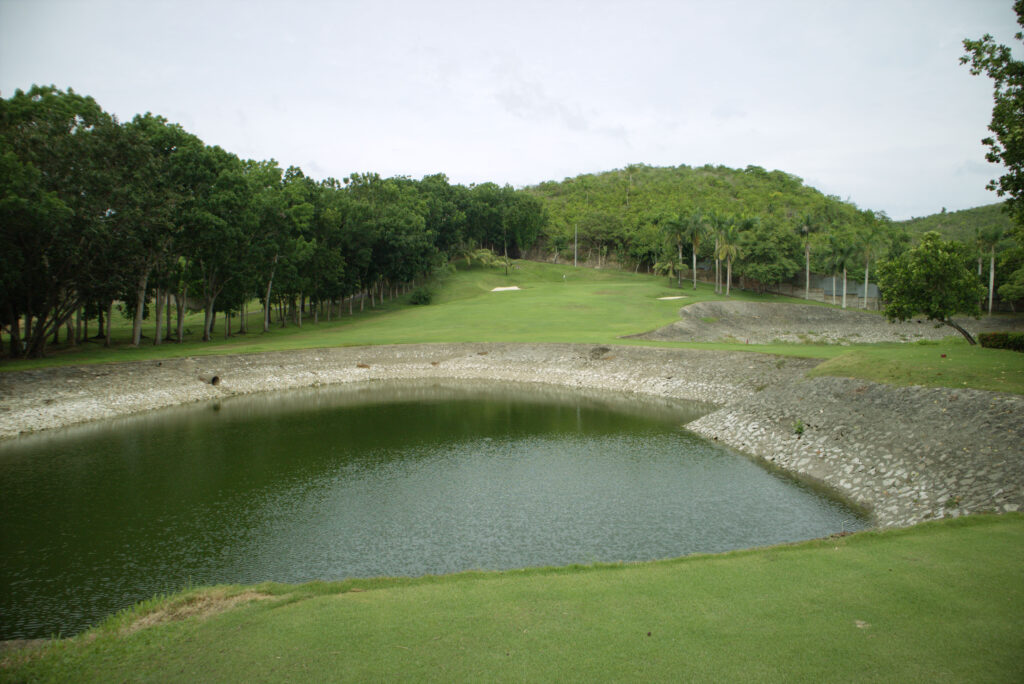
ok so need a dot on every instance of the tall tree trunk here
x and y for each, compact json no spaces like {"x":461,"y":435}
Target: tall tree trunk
{"x":78,"y":326}
{"x":227,"y":324}
{"x":140,"y":305}
{"x":266,"y":304}
{"x":967,"y":335}
{"x":807,"y":270}
{"x":728,"y":276}
{"x":209,"y":316}
{"x":844,"y":287}
{"x":15,"y":332}
{"x":242,"y":327}
{"x":167,"y":307}
{"x":110,"y":319}
{"x":833,"y":289}
{"x":695,"y":247}
{"x":158,"y":334}
{"x":991,"y":278}
{"x":679,"y":272}
{"x":298,"y":309}
{"x":181,"y":300}
{"x":866,"y":263}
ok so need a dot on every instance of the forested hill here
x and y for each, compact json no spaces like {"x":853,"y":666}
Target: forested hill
{"x":623,"y":213}
{"x":964,"y":225}
{"x":638,"y":191}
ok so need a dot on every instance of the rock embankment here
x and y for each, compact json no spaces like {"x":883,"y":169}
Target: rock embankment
{"x":50,"y":398}
{"x":905,"y":454}
{"x":908,"y":454}
{"x":765,"y":322}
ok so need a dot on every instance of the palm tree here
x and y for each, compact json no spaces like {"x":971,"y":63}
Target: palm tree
{"x":989,"y":238}
{"x":870,"y":243}
{"x":809,"y":225}
{"x":668,"y":268}
{"x":675,"y":229}
{"x":728,"y":249}
{"x":719,"y":224}
{"x":841,"y":252}
{"x":694,"y":231}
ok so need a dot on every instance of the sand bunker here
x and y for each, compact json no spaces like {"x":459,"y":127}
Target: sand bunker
{"x":505,"y":289}
{"x":763,"y":323}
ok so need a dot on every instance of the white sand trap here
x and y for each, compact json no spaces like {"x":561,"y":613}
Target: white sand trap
{"x":504,"y":289}
{"x":676,"y":297}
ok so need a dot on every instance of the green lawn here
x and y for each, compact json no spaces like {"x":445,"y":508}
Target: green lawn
{"x":562,"y":304}
{"x":938,"y":602}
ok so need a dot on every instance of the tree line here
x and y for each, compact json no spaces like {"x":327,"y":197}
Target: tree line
{"x":94,"y":212}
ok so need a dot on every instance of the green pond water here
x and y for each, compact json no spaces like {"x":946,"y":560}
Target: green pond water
{"x":407,"y":479}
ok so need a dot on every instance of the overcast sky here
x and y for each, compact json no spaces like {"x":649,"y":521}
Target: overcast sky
{"x":863,"y":99}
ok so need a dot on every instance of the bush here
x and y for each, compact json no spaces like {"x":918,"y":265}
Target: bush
{"x":421,"y":295}
{"x":1013,"y":341}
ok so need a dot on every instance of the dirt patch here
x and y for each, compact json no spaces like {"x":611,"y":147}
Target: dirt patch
{"x":764,"y":323}
{"x":201,"y":606}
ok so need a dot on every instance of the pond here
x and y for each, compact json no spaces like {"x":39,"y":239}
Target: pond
{"x":383,"y":479}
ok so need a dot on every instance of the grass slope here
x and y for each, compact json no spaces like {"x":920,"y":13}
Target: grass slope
{"x":938,"y":602}
{"x":558,"y":303}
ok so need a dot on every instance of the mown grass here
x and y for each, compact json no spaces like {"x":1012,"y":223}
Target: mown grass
{"x":558,"y":303}
{"x":938,"y":602}
{"x":949,"y":363}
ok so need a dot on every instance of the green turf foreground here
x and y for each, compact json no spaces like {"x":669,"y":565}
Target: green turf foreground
{"x":937,"y":602}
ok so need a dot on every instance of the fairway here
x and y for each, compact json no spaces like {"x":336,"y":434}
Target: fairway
{"x":939,"y":602}
{"x":557,"y":303}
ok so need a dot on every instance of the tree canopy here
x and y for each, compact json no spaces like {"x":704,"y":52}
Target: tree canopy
{"x":934,"y":280}
{"x":94,"y":212}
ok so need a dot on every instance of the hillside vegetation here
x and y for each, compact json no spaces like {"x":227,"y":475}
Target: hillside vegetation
{"x":964,"y":225}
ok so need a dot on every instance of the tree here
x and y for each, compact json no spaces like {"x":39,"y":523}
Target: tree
{"x":60,"y":200}
{"x":771,"y":253}
{"x":990,"y":237}
{"x":841,"y":253}
{"x":694,"y":230}
{"x":809,"y":225}
{"x":675,"y":228}
{"x":1006,"y":146}
{"x":870,"y":239}
{"x":932,"y":279}
{"x":151,"y":217}
{"x":728,"y":248}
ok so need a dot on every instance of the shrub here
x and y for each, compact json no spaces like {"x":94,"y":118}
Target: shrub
{"x":1002,"y":340}
{"x":421,"y":295}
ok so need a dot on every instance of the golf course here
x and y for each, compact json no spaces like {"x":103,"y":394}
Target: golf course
{"x":935,"y":601}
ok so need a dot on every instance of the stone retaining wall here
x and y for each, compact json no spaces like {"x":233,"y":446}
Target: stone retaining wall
{"x":907,"y":454}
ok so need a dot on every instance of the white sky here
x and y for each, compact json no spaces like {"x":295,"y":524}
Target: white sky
{"x":863,"y":99}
